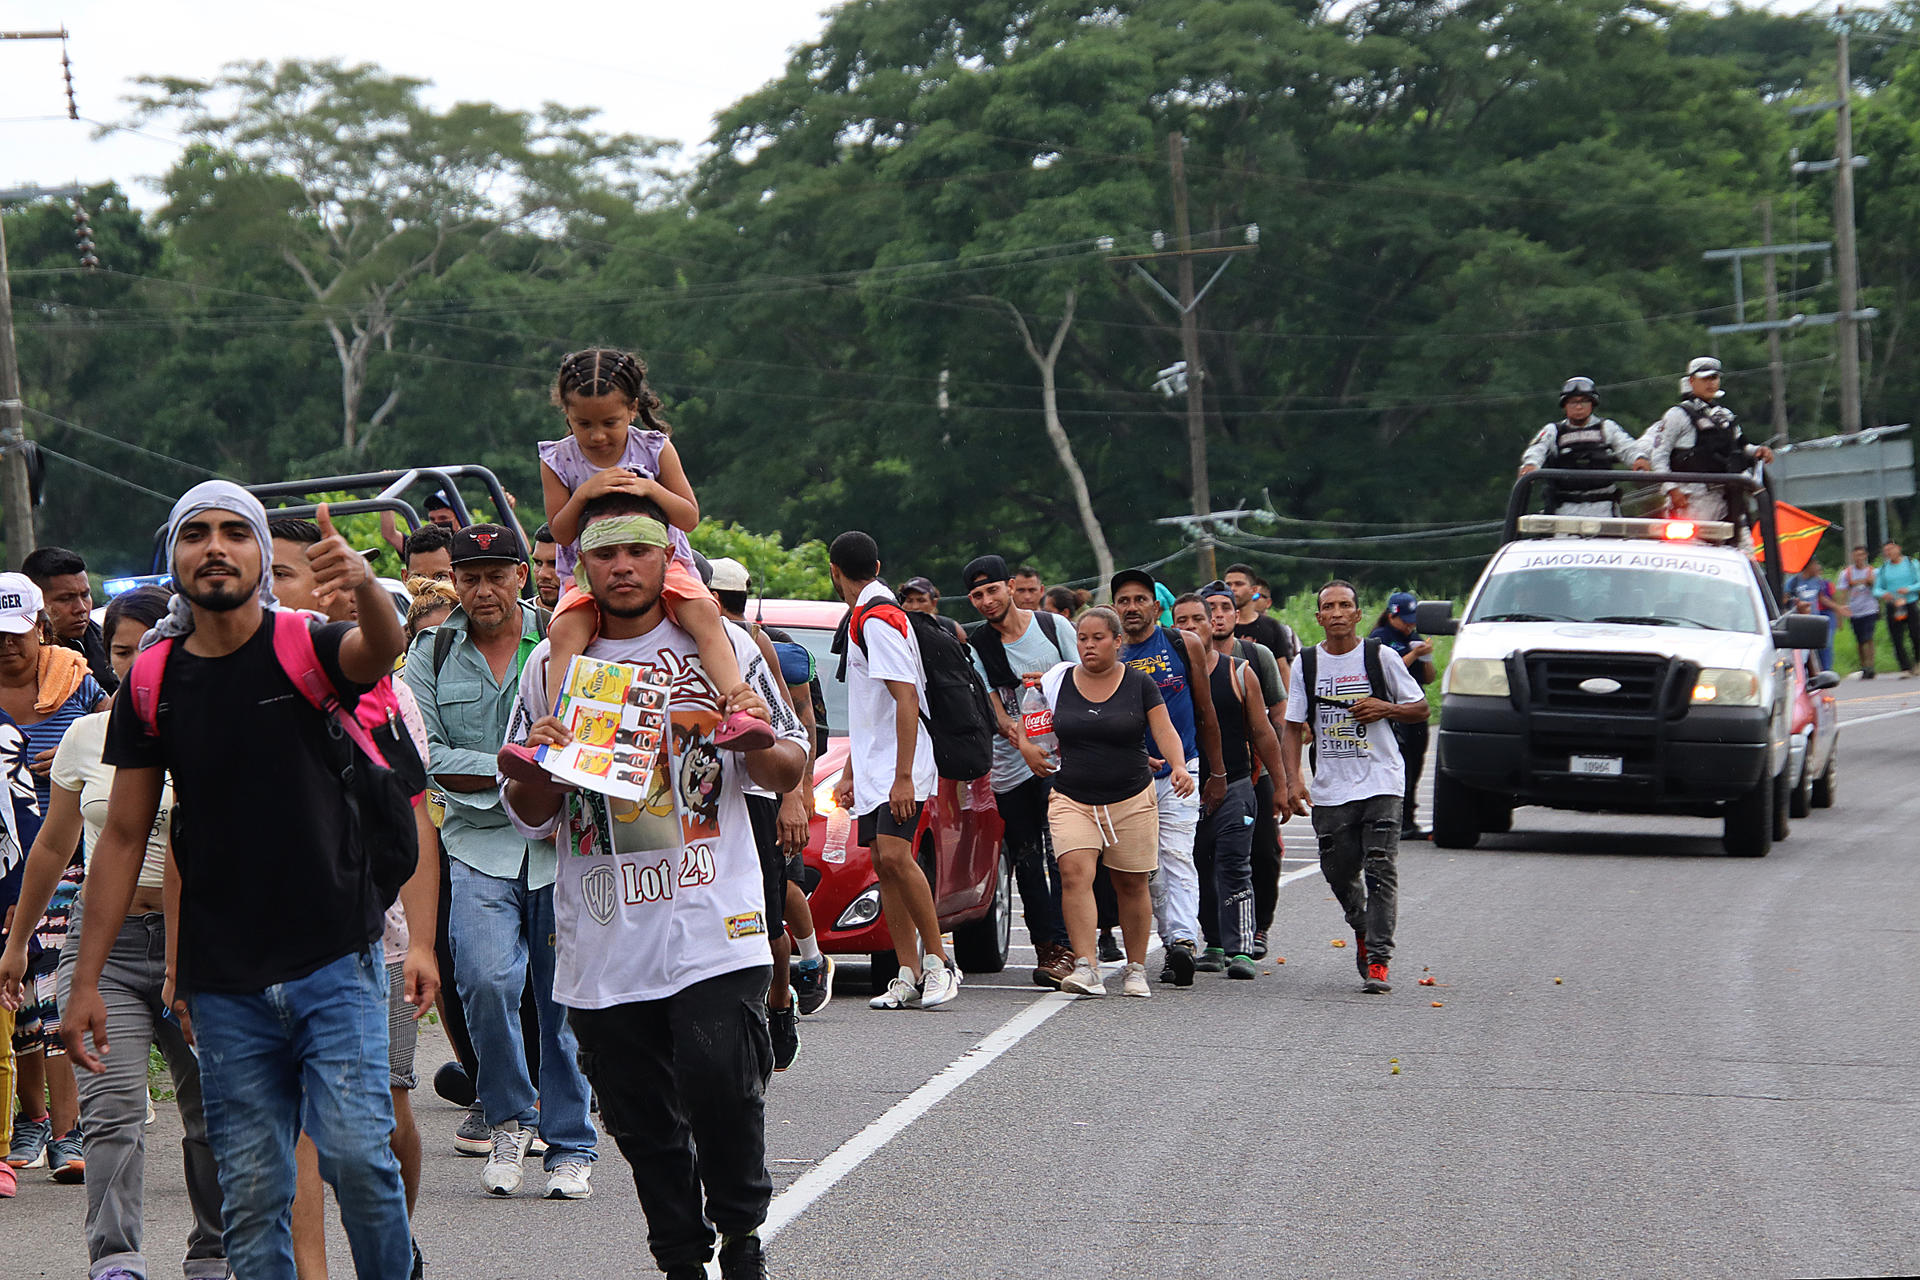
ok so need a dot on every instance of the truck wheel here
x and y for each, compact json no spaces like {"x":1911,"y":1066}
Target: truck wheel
{"x":1456,"y":813}
{"x":1825,"y":784}
{"x":1800,"y":800}
{"x":1496,"y":816}
{"x":981,"y":947}
{"x":1782,"y":805}
{"x":1749,"y":824}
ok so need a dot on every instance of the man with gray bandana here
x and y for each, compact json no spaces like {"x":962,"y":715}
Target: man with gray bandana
{"x":280,"y":972}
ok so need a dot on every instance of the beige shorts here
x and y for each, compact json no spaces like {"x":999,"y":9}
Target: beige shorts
{"x":1126,"y":834}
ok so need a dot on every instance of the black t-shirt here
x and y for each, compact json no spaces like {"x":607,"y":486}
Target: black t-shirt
{"x":272,"y":887}
{"x":92,"y":646}
{"x":1102,"y":756}
{"x":1269,"y":632}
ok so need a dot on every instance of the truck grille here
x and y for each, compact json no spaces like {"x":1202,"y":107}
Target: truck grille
{"x":1554,"y":682}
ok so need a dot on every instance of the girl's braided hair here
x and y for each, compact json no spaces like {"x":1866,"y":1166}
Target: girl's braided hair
{"x":600,"y":371}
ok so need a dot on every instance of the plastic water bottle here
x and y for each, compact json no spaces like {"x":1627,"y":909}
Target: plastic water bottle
{"x":839,"y":828}
{"x":1036,"y":718}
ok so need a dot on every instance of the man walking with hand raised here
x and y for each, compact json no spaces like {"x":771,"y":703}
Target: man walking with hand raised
{"x":280,"y":966}
{"x":1345,"y":693}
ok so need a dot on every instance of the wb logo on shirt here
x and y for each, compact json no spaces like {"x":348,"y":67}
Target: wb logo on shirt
{"x":600,"y":890}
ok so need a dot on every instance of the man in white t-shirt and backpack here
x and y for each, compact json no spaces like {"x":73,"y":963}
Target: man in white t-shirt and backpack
{"x":661,"y":939}
{"x":1350,"y":693}
{"x":890,"y":773}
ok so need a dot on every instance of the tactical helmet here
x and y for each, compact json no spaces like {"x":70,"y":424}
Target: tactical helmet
{"x":1579,"y":387}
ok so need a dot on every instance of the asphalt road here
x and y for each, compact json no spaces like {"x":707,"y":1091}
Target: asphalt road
{"x":1640,"y":1058}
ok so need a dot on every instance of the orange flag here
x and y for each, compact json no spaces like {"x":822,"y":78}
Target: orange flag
{"x":1799,"y":533}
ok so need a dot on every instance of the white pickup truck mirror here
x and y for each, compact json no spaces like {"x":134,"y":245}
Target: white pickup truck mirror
{"x":1435,"y":618}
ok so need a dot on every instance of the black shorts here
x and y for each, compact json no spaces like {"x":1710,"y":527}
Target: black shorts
{"x":764,"y":813}
{"x":1863,"y":628}
{"x":881,"y":822}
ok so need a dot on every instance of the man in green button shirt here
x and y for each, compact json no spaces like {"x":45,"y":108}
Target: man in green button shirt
{"x":501,"y":922}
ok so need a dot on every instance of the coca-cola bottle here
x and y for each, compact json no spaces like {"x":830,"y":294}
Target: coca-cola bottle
{"x":1036,"y":718}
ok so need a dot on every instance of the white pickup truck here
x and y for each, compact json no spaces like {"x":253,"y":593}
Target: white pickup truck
{"x":1617,"y":665}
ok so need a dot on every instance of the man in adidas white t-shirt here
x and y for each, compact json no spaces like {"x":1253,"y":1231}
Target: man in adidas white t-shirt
{"x":660,"y":915}
{"x":1351,"y":693}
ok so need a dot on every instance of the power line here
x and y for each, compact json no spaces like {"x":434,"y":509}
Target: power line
{"x":125,"y":444}
{"x":104,"y":474}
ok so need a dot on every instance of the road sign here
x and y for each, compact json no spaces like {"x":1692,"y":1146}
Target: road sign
{"x":1872,"y":464}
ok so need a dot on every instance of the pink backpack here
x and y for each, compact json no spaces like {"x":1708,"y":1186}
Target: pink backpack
{"x":381,"y":791}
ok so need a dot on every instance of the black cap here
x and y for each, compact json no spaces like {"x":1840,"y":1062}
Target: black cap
{"x":438,"y":500}
{"x":1216,"y":588}
{"x":1125,"y":576}
{"x":485,"y":542}
{"x":983,"y":569}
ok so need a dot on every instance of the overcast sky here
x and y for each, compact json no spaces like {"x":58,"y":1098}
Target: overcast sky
{"x":662,"y":68}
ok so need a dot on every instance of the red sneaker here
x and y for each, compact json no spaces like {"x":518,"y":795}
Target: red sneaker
{"x":742,"y":732}
{"x":9,"y":1184}
{"x":1376,"y":983}
{"x":1360,"y":952}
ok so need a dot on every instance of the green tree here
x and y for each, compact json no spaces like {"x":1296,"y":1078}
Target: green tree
{"x":347,"y":179}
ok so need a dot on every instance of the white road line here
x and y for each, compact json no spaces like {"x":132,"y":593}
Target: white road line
{"x":817,"y":1181}
{"x":1883,"y":715}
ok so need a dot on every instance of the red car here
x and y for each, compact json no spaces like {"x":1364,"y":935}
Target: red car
{"x":1812,"y":764}
{"x":959,"y":840}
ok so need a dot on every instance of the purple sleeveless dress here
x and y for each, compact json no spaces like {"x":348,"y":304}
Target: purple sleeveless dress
{"x":564,"y":459}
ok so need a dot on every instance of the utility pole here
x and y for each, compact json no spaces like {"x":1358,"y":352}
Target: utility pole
{"x":1776,"y":368}
{"x":1190,"y":351}
{"x":1854,"y":513}
{"x":15,"y":489}
{"x":1190,"y":375}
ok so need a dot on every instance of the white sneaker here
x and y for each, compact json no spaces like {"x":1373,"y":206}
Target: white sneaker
{"x":900,"y":994}
{"x":570,"y":1180}
{"x":502,"y":1175}
{"x":1084,"y":980}
{"x":940,"y":984}
{"x":1136,"y":982}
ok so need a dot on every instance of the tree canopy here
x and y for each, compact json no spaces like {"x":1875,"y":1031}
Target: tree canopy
{"x":1459,"y":205}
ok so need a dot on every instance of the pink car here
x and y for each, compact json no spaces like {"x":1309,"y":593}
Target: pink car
{"x":959,"y":841}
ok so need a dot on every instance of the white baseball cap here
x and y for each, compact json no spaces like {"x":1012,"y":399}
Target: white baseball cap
{"x":20,"y":604}
{"x":1703,"y":365}
{"x":728,"y":575}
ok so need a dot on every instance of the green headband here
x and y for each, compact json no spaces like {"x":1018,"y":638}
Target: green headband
{"x":623,"y":531}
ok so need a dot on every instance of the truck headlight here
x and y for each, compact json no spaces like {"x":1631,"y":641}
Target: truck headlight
{"x":1726,"y":687}
{"x":1477,"y":678}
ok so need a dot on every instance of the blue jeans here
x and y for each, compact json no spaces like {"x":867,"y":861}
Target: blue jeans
{"x":308,"y":1054}
{"x":500,"y":930}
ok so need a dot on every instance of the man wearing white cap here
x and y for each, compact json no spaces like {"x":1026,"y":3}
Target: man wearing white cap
{"x":1699,"y":434}
{"x":280,"y":968}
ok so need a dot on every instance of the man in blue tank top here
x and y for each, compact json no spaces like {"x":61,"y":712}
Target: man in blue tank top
{"x":1149,"y":648}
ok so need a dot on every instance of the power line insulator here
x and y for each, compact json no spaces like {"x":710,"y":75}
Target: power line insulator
{"x":66,"y":69}
{"x":83,"y":237}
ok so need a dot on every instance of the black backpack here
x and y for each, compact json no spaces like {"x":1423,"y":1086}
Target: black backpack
{"x":957,"y":715}
{"x":993,"y":650}
{"x":1309,"y":672}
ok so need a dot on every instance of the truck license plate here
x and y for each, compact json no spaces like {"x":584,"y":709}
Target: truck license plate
{"x":1602,"y":766}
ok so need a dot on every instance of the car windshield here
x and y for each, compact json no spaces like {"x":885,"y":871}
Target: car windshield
{"x":819,"y":642}
{"x":1693,"y":597}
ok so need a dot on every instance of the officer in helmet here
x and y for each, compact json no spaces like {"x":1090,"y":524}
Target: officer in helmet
{"x":1700,"y":434}
{"x":1582,"y":442}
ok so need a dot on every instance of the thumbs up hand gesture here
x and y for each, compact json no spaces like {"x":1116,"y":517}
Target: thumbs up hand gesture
{"x":337,"y":568}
